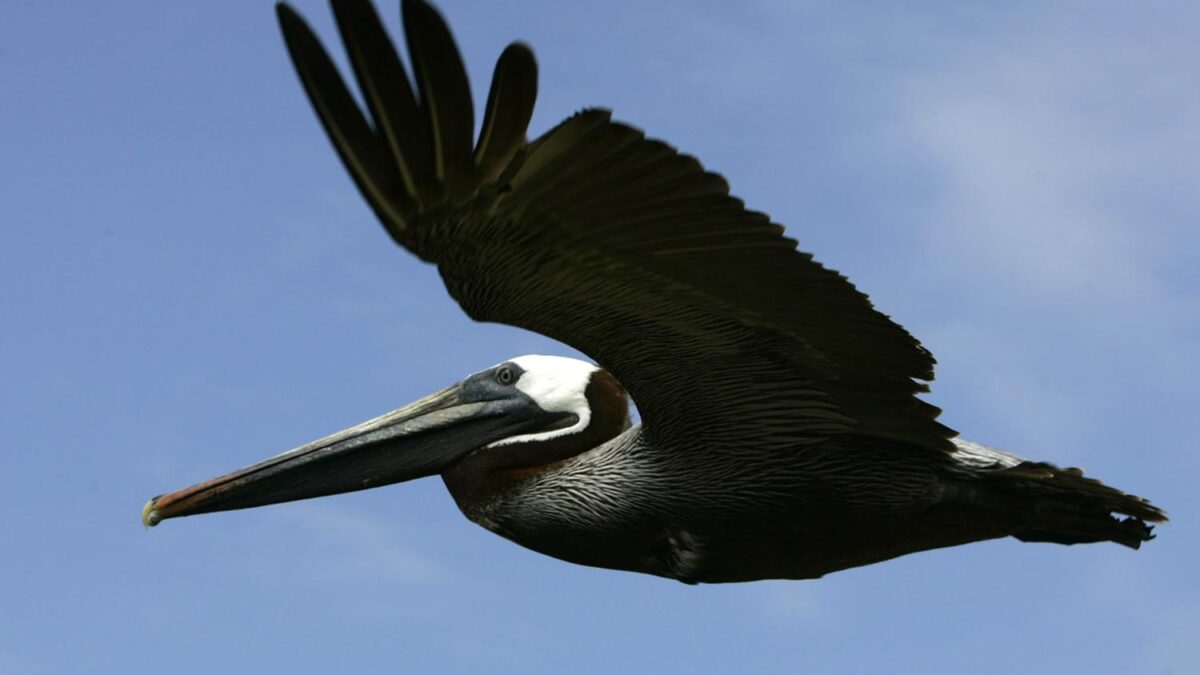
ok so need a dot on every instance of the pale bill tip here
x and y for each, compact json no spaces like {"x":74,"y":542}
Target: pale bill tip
{"x":150,"y":516}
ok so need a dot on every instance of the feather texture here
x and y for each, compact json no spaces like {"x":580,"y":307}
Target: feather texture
{"x":620,"y":246}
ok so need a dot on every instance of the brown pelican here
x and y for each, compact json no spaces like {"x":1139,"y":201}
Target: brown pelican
{"x":782,"y":435}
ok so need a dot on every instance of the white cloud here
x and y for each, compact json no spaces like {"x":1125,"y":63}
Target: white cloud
{"x":1062,"y":155}
{"x":318,"y":543}
{"x":790,"y":601}
{"x":1054,"y":147}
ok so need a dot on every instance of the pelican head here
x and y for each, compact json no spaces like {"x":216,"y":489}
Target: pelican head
{"x":519,"y":414}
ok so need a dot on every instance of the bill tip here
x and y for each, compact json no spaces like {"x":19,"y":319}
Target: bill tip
{"x":150,"y":516}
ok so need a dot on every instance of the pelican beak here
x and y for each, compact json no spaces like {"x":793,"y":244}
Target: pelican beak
{"x":420,"y":439}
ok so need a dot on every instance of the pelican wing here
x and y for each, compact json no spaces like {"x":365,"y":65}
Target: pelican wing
{"x":613,"y":243}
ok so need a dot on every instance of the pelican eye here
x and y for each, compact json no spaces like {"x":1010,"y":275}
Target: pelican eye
{"x":505,"y":375}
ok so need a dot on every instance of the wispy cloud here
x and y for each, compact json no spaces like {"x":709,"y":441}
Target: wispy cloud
{"x":1041,"y":187}
{"x":322,"y":544}
{"x":790,"y":601}
{"x":1062,"y":159}
{"x":1060,"y":174}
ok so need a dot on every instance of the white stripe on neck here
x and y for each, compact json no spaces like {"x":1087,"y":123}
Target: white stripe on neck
{"x":556,"y":384}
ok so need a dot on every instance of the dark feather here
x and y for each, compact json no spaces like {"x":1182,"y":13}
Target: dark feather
{"x":632,"y":253}
{"x":388,"y":94}
{"x":445,"y":98}
{"x":509,"y":109}
{"x":356,"y":142}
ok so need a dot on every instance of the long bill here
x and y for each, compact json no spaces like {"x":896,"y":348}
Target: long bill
{"x":420,"y":439}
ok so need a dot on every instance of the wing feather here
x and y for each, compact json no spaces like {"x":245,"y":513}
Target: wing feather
{"x":508,"y":111}
{"x":625,"y":249}
{"x":445,"y":96}
{"x":356,"y":142}
{"x":387,"y":92}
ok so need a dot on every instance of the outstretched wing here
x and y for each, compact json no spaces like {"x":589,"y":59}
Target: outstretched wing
{"x":615,"y":244}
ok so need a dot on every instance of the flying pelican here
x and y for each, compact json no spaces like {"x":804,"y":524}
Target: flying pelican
{"x":781,"y":434}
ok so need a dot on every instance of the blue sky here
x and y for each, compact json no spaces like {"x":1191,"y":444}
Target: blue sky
{"x":192,"y":283}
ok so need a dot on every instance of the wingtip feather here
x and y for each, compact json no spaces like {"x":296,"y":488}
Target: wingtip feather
{"x":385,"y":88}
{"x":445,"y":96}
{"x":508,"y":111}
{"x":352,"y":136}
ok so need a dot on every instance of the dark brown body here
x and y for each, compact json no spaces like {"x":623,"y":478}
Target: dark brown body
{"x":626,"y":505}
